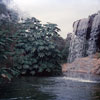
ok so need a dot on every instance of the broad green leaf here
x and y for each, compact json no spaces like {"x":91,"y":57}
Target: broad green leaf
{"x":26,"y":66}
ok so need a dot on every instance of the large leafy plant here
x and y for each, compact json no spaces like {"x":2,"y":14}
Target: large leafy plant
{"x":35,"y":51}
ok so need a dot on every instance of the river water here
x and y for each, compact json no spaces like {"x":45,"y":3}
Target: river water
{"x":50,"y":88}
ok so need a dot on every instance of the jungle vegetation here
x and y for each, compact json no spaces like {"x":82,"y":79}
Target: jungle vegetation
{"x":28,"y":47}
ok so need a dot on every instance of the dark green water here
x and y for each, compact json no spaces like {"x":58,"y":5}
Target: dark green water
{"x":52,"y":88}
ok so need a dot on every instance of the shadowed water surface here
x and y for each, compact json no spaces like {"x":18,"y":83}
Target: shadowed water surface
{"x":50,"y":88}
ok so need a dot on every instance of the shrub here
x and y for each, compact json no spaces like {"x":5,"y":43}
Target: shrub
{"x":6,"y":49}
{"x":36,"y":53}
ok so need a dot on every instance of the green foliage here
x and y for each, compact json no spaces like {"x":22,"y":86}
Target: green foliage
{"x":8,"y":73}
{"x":35,"y":51}
{"x":28,"y":47}
{"x":65,"y":51}
{"x":7,"y":27}
{"x":5,"y":55}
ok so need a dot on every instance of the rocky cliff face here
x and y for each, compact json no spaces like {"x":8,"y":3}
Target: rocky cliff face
{"x":86,"y":65}
{"x":85,"y":37}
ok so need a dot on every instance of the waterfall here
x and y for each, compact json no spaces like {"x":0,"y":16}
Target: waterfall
{"x":94,"y":35}
{"x":85,"y":37}
{"x":85,"y":41}
{"x":78,"y":40}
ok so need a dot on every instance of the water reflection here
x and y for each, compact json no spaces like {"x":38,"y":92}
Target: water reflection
{"x":24,"y":89}
{"x":96,"y":94}
{"x":52,"y":88}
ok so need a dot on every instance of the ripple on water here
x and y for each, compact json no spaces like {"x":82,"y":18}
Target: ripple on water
{"x":50,"y":88}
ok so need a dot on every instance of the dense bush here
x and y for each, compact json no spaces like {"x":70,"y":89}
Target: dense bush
{"x":28,"y":47}
{"x":63,"y":47}
{"x":8,"y":22}
{"x":35,"y":51}
{"x":6,"y":49}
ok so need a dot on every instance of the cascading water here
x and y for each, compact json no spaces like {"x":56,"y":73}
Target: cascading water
{"x":84,"y":42}
{"x":95,"y":31}
{"x":85,"y":37}
{"x":78,"y":40}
